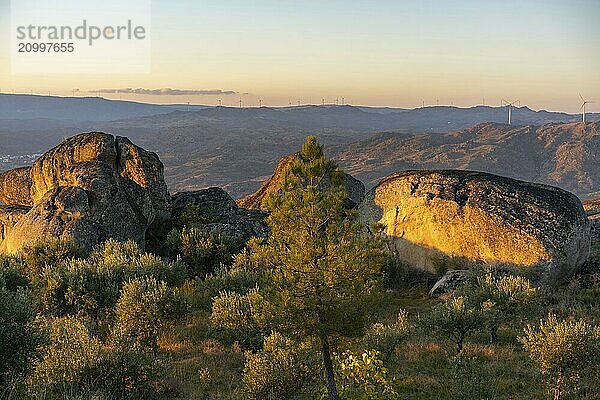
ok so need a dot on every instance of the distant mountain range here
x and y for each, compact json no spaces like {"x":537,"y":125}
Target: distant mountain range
{"x":93,"y":109}
{"x":27,"y":107}
{"x":236,"y":148}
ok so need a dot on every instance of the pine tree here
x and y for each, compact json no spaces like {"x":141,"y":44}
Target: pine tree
{"x":320,"y":268}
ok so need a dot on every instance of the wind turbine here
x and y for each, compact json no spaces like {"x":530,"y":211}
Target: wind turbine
{"x":509,"y":106}
{"x":582,"y":108}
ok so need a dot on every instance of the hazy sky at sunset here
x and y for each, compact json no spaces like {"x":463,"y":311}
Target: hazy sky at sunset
{"x":375,"y":52}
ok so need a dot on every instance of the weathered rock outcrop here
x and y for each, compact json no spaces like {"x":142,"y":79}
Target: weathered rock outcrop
{"x":15,"y":186}
{"x":216,"y":211}
{"x":91,"y":187}
{"x":212,"y":204}
{"x":479,"y":216}
{"x":355,"y":189}
{"x":592,"y":208}
{"x":9,"y":216}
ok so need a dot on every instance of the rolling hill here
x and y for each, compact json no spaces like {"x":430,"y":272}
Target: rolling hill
{"x":237,"y":148}
{"x":564,"y":155}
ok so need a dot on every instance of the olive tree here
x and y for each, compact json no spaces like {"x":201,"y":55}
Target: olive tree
{"x":454,"y":319}
{"x":563,"y":351}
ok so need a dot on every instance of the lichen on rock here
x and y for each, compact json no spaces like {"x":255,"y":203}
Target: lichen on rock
{"x":15,"y":187}
{"x":478,"y":216}
{"x":91,"y":187}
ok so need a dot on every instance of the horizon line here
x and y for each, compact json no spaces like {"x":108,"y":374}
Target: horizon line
{"x":189,"y":104}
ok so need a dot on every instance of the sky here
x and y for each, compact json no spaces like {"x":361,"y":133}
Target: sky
{"x":376,"y":52}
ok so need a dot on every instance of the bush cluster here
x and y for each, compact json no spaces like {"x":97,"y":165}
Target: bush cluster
{"x":19,"y":336}
{"x":283,"y":369}
{"x":566,"y":352}
{"x":203,"y":252}
{"x":91,"y":286}
{"x":98,"y":320}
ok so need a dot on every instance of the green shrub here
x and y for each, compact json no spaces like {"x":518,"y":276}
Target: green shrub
{"x":580,"y":298}
{"x":76,"y":365}
{"x":564,"y":352}
{"x":282,"y":370}
{"x":385,"y":338}
{"x":13,"y":272}
{"x":472,"y":376}
{"x":69,"y":359}
{"x":362,"y":376}
{"x":454,"y":319}
{"x":238,"y":280}
{"x":502,"y":297}
{"x":132,"y":374}
{"x":232,"y":316}
{"x":19,"y":337}
{"x":231,"y":310}
{"x":142,"y":310}
{"x":112,"y":257}
{"x":50,"y":252}
{"x":202,"y":252}
{"x":91,"y":286}
{"x":50,"y":287}
{"x":589,"y":297}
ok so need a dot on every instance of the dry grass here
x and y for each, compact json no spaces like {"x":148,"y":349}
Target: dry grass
{"x":204,"y":367}
{"x":421,"y":366}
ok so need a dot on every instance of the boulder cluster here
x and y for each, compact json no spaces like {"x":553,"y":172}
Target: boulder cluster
{"x":95,"y":186}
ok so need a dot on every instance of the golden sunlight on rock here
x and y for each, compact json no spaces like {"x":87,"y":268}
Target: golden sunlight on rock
{"x":479,"y":217}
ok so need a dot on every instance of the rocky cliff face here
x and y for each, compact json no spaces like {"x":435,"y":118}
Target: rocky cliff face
{"x":355,"y":189}
{"x":90,"y":187}
{"x":479,"y":216}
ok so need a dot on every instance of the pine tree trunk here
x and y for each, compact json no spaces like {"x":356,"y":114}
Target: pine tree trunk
{"x":493,"y":335}
{"x":558,"y":387}
{"x":459,"y":345}
{"x":332,"y":393}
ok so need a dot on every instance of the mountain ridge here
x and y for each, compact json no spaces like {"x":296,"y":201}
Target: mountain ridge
{"x":90,"y":108}
{"x":235,"y":148}
{"x":563,"y":155}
